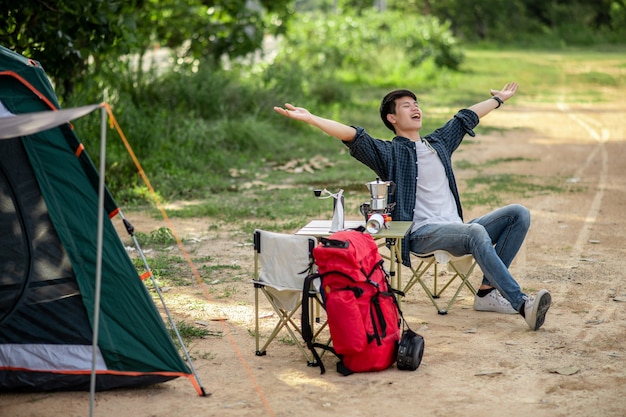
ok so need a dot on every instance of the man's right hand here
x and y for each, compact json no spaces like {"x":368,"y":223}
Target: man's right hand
{"x":297,"y":113}
{"x":330,"y":127}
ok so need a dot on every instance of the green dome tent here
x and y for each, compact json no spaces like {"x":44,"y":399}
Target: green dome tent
{"x":48,"y":258}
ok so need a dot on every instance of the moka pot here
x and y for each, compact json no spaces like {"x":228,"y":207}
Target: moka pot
{"x":379,"y":190}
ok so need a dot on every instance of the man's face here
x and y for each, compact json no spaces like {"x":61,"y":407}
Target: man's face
{"x":408,"y":116}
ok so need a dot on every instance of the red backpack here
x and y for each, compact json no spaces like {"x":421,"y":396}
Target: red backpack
{"x":361,"y":307}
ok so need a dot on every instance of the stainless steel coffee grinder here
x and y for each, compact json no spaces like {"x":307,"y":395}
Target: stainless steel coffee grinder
{"x":378,"y":211}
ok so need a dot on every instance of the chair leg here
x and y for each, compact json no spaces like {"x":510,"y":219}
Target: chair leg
{"x":286,"y":321}
{"x":433,"y":298}
{"x":464,"y":277}
{"x":417,"y":277}
{"x":256,"y":322}
{"x":418,"y":272}
{"x":435,"y":293}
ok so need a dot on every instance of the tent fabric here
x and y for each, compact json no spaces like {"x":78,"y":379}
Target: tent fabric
{"x":35,"y":356}
{"x":30,"y":123}
{"x":48,"y":222}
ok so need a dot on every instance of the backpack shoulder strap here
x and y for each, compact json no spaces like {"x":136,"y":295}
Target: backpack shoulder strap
{"x":307,"y":331}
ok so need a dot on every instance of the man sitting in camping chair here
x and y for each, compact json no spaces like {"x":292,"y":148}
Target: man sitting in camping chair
{"x":426,"y":193}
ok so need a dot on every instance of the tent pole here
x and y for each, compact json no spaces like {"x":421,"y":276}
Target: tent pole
{"x":131,"y":231}
{"x":100,"y":232}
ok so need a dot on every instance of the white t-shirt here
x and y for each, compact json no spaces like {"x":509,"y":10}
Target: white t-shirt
{"x":434,"y":202}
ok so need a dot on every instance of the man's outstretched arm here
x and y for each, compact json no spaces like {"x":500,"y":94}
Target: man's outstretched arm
{"x":484,"y":107}
{"x":330,"y":127}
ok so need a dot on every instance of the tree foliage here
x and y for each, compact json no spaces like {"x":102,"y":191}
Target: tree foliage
{"x":63,"y":34}
{"x":74,"y":38}
{"x":368,"y":43}
{"x":213,"y":29}
{"x":572,"y":21}
{"x":66,"y":35}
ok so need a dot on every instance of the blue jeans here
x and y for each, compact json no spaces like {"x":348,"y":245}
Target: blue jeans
{"x":493,"y":239}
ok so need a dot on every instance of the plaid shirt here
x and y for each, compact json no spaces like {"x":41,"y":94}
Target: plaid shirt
{"x":396,"y":161}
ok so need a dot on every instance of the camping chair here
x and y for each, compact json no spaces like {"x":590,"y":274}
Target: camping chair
{"x":461,"y":268}
{"x":281,"y":262}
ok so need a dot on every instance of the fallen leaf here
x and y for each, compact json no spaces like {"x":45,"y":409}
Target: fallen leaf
{"x":567,"y":370}
{"x":488,"y":373}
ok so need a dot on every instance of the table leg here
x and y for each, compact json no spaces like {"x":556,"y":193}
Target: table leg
{"x":397,"y":282}
{"x":392,"y":262}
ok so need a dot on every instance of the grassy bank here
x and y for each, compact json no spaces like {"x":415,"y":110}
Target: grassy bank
{"x":258,"y":169}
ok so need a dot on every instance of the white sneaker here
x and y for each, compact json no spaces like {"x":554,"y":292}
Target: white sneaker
{"x":494,"y":301}
{"x":535,"y":309}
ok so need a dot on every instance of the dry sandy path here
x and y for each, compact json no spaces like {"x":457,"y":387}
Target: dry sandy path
{"x":475,"y":363}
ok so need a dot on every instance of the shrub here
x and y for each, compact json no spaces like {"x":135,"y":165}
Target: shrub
{"x":369,"y":45}
{"x":191,"y":126}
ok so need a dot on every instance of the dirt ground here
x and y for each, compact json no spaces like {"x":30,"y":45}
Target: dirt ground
{"x":475,"y":364}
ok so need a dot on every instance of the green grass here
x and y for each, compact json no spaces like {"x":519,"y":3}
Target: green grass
{"x":465,"y":164}
{"x":172,"y":270}
{"x":189,"y":333}
{"x":271,"y":187}
{"x":263,"y":195}
{"x":492,"y":190}
{"x":160,"y":237}
{"x":166,"y":269}
{"x":248,"y":167}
